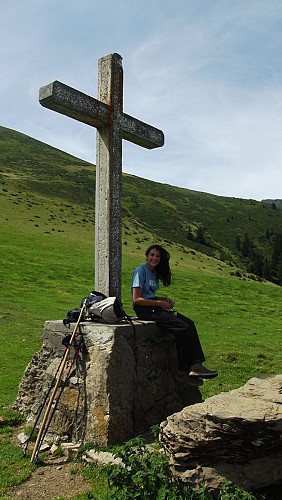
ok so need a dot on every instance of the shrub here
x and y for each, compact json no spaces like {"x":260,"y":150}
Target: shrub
{"x":146,"y":475}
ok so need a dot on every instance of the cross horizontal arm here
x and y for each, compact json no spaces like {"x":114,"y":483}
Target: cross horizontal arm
{"x":73,"y":103}
{"x":141,"y":133}
{"x":86,"y":109}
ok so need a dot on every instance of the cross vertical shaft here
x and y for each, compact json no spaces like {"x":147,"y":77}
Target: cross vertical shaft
{"x":108,"y":220}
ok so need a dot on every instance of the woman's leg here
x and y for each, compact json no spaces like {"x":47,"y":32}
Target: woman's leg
{"x":188,"y":346}
{"x":187,"y":341}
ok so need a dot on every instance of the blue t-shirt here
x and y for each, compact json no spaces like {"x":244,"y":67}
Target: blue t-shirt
{"x":146,"y":280}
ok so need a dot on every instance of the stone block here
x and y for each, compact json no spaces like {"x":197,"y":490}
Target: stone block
{"x":123,"y":382}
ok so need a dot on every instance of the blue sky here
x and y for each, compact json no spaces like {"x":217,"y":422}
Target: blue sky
{"x":206,"y":72}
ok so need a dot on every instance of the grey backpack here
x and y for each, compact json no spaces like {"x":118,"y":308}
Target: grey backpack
{"x":102,"y":308}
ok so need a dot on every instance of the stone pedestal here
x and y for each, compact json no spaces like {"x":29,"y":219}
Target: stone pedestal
{"x":121,"y":383}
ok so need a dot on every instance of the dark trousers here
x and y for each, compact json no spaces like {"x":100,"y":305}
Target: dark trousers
{"x":188,"y":346}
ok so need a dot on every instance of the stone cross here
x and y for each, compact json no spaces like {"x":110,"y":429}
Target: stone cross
{"x":113,"y":125}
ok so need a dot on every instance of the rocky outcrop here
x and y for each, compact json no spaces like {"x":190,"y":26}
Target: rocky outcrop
{"x":121,"y":383}
{"x":234,"y":436}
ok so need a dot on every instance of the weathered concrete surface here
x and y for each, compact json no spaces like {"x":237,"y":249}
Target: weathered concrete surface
{"x":235,"y":436}
{"x":113,"y":125}
{"x":122,"y":384}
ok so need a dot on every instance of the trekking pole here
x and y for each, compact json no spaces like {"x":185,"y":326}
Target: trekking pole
{"x":43,"y":405}
{"x":76,"y":353}
{"x":39,"y":412}
{"x":60,"y":374}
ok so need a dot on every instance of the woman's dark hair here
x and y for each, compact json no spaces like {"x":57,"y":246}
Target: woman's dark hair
{"x":162,"y":269}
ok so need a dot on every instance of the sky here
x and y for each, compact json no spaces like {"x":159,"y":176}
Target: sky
{"x":208,"y":73}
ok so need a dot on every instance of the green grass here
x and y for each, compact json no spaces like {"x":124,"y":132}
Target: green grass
{"x":12,"y":475}
{"x":46,"y":273}
{"x":14,"y":467}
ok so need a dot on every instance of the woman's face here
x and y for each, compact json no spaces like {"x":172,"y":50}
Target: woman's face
{"x":153,"y":258}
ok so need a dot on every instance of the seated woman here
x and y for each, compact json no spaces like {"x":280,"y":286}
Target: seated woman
{"x":148,"y":306}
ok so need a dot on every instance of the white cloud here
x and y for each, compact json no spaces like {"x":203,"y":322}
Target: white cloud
{"x":207,"y":73}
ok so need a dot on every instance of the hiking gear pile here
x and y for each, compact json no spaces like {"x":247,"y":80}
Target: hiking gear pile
{"x":98,"y":308}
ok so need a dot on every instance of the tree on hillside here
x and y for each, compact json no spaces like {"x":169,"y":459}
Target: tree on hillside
{"x":190,"y":235}
{"x":277,"y":249}
{"x":246,"y":245}
{"x":266,"y":269}
{"x":279,"y":272}
{"x":200,"y":236}
{"x":238,"y":242}
{"x":257,"y":261}
{"x":277,"y":258}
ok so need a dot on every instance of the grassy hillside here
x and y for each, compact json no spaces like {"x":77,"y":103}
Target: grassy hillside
{"x":175,"y":214}
{"x":47,"y":257}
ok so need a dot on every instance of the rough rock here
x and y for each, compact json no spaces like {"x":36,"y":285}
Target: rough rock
{"x":22,"y":438}
{"x":123,"y":382}
{"x":234,"y":436}
{"x":101,"y":458}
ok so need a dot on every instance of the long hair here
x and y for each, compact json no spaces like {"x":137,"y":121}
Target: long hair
{"x":162,"y":269}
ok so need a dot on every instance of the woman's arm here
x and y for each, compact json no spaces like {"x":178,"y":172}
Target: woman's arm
{"x":168,"y":299}
{"x":164,"y":303}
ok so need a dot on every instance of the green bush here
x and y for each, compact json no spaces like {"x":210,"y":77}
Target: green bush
{"x":147,"y":475}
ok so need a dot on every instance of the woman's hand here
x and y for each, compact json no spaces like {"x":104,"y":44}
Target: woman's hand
{"x":166,"y":303}
{"x":170,"y":301}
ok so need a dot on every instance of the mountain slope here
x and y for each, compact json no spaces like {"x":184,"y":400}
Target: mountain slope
{"x":214,"y":225}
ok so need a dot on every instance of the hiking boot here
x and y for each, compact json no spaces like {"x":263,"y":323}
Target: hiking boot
{"x":184,"y":376}
{"x":201,"y":371}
